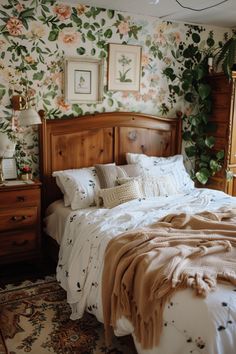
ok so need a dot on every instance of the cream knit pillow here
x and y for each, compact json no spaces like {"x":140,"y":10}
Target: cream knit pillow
{"x":111,"y":197}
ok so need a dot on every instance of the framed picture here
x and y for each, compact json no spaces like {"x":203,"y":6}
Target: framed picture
{"x":9,"y":169}
{"x":124,"y":67}
{"x":83,"y":80}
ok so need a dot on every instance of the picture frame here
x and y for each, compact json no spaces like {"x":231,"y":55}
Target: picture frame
{"x":124,"y":67}
{"x":83,"y":80}
{"x":9,"y":169}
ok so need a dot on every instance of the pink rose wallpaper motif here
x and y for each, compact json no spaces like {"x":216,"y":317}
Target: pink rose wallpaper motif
{"x":14,"y":26}
{"x":34,"y":41}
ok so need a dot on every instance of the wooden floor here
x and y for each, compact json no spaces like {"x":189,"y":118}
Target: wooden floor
{"x":29,"y":270}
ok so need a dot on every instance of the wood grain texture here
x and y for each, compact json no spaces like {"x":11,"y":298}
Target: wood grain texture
{"x":101,"y":138}
{"x":224,"y":116}
{"x":20,"y":222}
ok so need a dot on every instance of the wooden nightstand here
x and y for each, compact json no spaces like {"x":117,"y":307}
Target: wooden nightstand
{"x":20,"y":222}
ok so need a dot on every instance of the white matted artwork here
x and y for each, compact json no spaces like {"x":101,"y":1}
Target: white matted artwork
{"x":124,"y":67}
{"x":9,"y":168}
{"x":83,"y":80}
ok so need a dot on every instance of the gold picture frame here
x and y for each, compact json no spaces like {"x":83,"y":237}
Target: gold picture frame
{"x":83,"y":80}
{"x":124,"y":67}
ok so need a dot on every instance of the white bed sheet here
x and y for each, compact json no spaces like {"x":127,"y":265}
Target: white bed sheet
{"x":191,"y":325}
{"x":56,"y":216}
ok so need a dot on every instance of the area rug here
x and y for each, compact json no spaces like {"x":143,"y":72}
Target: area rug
{"x":35,"y":318}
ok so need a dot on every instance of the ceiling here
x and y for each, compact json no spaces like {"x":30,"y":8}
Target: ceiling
{"x":223,"y":15}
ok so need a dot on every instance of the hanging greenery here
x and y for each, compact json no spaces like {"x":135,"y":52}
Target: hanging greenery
{"x":197,"y":133}
{"x":226,"y":56}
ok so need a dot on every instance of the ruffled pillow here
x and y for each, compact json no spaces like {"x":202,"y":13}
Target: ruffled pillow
{"x":152,"y":186}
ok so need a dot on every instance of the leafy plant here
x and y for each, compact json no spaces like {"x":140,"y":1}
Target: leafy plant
{"x":192,"y":85}
{"x":227,"y":54}
{"x":198,"y":129}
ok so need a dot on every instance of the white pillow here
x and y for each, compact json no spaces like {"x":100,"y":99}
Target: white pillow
{"x":140,"y":159}
{"x":152,"y":186}
{"x":65,"y":196}
{"x":111,"y":197}
{"x":167,"y":185}
{"x":161,"y":166}
{"x":79,"y":186}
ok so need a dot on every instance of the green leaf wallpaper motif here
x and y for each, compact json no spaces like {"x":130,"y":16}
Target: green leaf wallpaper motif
{"x":36,"y":35}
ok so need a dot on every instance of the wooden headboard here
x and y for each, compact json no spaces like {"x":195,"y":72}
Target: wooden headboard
{"x":101,"y":138}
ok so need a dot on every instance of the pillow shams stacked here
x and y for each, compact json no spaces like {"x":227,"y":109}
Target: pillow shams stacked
{"x":108,"y":174}
{"x":152,"y":186}
{"x":161,"y":166}
{"x":79,"y":186}
{"x":111,"y":194}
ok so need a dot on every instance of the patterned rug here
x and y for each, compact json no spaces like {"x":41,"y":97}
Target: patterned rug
{"x":34,"y":318}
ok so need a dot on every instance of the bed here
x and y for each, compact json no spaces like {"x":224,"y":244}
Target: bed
{"x":99,"y":138}
{"x":190,"y":324}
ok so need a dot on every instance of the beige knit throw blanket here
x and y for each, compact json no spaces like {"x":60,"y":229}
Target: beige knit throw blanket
{"x":143,"y":268}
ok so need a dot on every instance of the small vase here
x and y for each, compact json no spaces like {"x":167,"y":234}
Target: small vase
{"x":25,"y":177}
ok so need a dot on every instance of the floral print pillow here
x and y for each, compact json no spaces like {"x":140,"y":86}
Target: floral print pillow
{"x":79,"y":186}
{"x":161,"y":166}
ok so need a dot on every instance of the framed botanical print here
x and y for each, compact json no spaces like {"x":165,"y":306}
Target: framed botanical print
{"x":83,"y":80}
{"x":124,"y":67}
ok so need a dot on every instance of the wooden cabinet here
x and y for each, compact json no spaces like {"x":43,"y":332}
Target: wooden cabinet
{"x":20,"y":222}
{"x":224,"y":115}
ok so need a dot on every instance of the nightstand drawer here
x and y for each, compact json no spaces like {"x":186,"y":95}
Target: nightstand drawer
{"x":15,"y":244}
{"x":20,"y":229}
{"x":19,"y":198}
{"x":11,"y":219}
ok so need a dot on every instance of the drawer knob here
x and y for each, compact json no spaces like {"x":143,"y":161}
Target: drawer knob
{"x":20,"y":198}
{"x":20,"y":244}
{"x":19,"y":218}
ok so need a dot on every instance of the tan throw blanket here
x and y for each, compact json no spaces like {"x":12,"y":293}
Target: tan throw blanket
{"x":143,"y":268}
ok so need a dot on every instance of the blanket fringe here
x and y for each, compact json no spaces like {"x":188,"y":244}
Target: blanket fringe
{"x":143,"y":269}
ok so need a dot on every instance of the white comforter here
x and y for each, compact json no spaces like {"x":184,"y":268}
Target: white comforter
{"x":191,"y":325}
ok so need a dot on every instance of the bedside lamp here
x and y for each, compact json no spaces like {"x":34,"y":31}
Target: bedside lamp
{"x":28,"y":115}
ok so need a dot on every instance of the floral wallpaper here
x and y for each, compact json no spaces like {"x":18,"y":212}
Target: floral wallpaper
{"x":36,"y":36}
